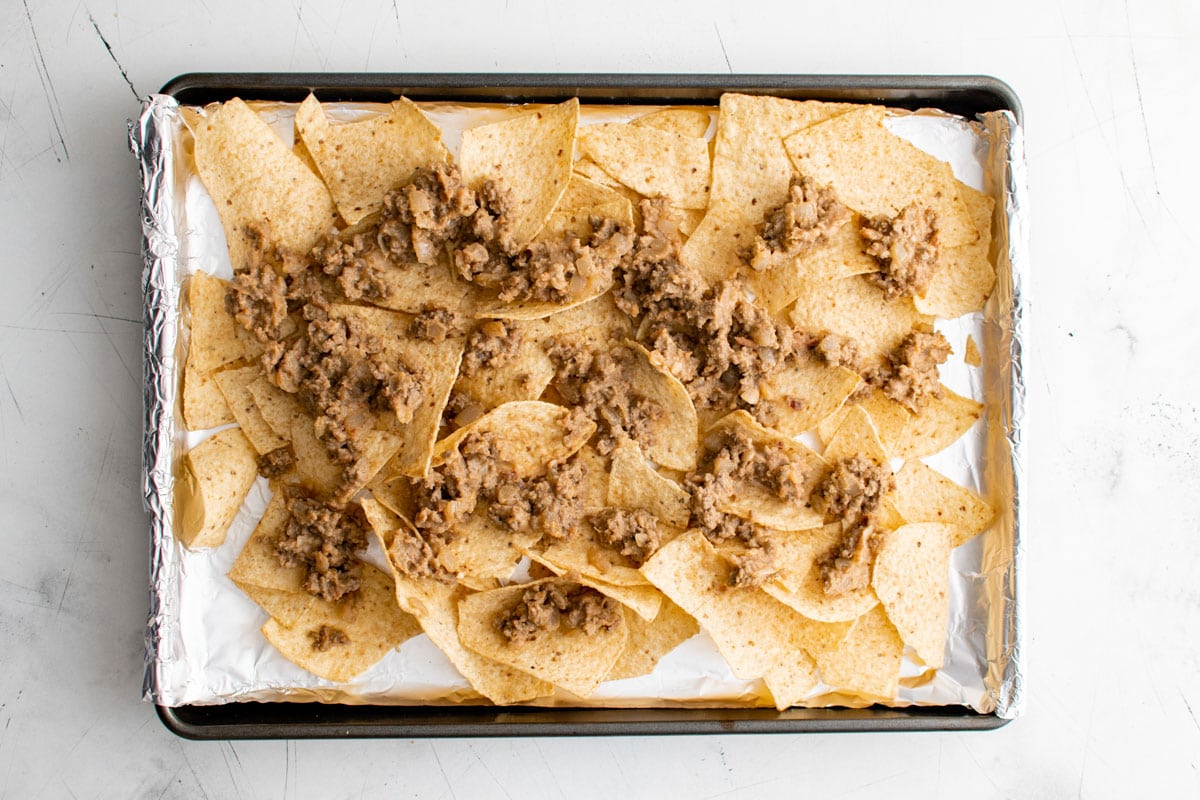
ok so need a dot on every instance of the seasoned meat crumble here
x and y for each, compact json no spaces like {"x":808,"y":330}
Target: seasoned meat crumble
{"x":631,"y":532}
{"x":906,"y":247}
{"x":548,"y":607}
{"x":326,"y":541}
{"x":806,"y":219}
{"x":327,"y":637}
{"x":911,"y":374}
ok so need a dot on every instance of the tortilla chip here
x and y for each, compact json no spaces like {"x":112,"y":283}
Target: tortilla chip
{"x":257,"y":564}
{"x":889,"y":418}
{"x":876,"y":173}
{"x":216,"y":337}
{"x":939,"y":425}
{"x":925,"y":495}
{"x":278,"y":408}
{"x":912,"y":579}
{"x":528,"y":435}
{"x":203,"y":404}
{"x":964,"y":277}
{"x":583,"y":200}
{"x":214,"y":478}
{"x":482,"y":553}
{"x":394,"y":492}
{"x":523,"y":377}
{"x":254,"y":177}
{"x":529,"y":155}
{"x":634,"y":483}
{"x":759,"y":637}
{"x":855,"y":308}
{"x":750,"y":175}
{"x":802,"y":394}
{"x":675,"y":435}
{"x":567,"y":658}
{"x":412,"y":287}
{"x":840,"y":257}
{"x":600,"y":314}
{"x":652,"y":162}
{"x":361,"y":161}
{"x":234,"y":384}
{"x":972,"y":357}
{"x":679,"y":121}
{"x":856,"y":436}
{"x":650,"y":640}
{"x":868,"y":662}
{"x":799,"y":585}
{"x":754,"y":501}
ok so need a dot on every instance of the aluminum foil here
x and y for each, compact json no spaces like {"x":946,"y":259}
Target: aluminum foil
{"x":203,"y":645}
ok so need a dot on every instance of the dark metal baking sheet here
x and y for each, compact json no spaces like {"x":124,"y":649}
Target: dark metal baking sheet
{"x":959,"y":94}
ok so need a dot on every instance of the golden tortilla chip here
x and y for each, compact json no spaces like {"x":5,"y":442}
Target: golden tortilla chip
{"x":964,"y":277}
{"x":361,"y":161}
{"x":216,"y":337}
{"x":394,"y":492}
{"x":889,"y":418}
{"x":755,"y":502}
{"x":939,"y":425}
{"x":214,"y":478}
{"x":650,"y":161}
{"x":583,"y":200}
{"x":801,"y":395}
{"x":528,"y":435}
{"x":523,"y":377}
{"x":855,"y":308}
{"x":679,"y":121}
{"x":254,"y":177}
{"x":634,"y":483}
{"x":412,"y":287}
{"x":600,"y":314}
{"x":868,"y":661}
{"x":369,"y":619}
{"x":257,"y":566}
{"x":840,"y":257}
{"x":925,"y":495}
{"x":876,"y":173}
{"x":482,"y":553}
{"x":674,"y":436}
{"x":759,"y":637}
{"x":529,"y":155}
{"x":278,"y":408}
{"x":750,"y":176}
{"x":798,"y":584}
{"x":203,"y":404}
{"x":234,"y":384}
{"x":568,"y":658}
{"x":856,"y":436}
{"x":650,"y":640}
{"x":972,"y":357}
{"x":912,"y":579}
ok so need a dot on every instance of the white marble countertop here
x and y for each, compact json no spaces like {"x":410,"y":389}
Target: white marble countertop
{"x":1113,"y":565}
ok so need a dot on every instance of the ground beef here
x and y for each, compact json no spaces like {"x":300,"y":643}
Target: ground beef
{"x":326,"y":541}
{"x":461,"y":410}
{"x":717,"y":342}
{"x":769,"y":465}
{"x":277,"y":462}
{"x":549,"y":504}
{"x":423,"y":218}
{"x":414,"y":555}
{"x":257,"y":295}
{"x":551,"y":606}
{"x":434,"y":324}
{"x":327,"y":637}
{"x":632,"y":533}
{"x":599,"y":383}
{"x":752,"y":568}
{"x":906,"y":248}
{"x":847,"y":567}
{"x":707,"y":492}
{"x":494,"y":344}
{"x":557,"y":270}
{"x":345,"y":259}
{"x":806,"y":219}
{"x":911,"y":374}
{"x":838,"y":351}
{"x":853,"y":489}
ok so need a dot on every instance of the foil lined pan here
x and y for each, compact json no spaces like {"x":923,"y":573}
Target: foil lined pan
{"x":983,"y":669}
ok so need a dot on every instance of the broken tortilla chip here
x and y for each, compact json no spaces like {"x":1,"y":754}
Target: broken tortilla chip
{"x":964,"y":277}
{"x":912,"y":579}
{"x":634,"y":483}
{"x":202,"y":402}
{"x":925,"y":495}
{"x":214,"y":478}
{"x":941,"y":423}
{"x":802,"y":394}
{"x":216,"y":337}
{"x":680,"y":121}
{"x":650,"y":640}
{"x":868,"y":661}
{"x":234,"y":385}
{"x":652,"y":162}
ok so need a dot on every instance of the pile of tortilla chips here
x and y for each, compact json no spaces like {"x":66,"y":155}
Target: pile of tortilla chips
{"x":807,"y":646}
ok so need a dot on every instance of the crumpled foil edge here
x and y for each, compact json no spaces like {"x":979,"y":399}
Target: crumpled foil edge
{"x":153,"y":139}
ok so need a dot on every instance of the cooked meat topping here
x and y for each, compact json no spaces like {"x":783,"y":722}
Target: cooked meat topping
{"x":708,"y":492}
{"x":473,"y":474}
{"x":344,"y":258}
{"x":906,"y":248}
{"x":277,"y":462}
{"x":327,"y":637}
{"x":632,"y":533}
{"x":752,"y":568}
{"x":838,"y":351}
{"x":551,"y":606}
{"x":853,"y":489}
{"x":806,"y":219}
{"x":257,"y":296}
{"x":598,"y":383}
{"x":461,"y":410}
{"x":769,"y":465}
{"x":493,"y":345}
{"x":847,"y":567}
{"x":433,"y":211}
{"x":911,"y":375}
{"x":556,"y":271}
{"x":414,"y":555}
{"x":325,"y":541}
{"x":713,"y":339}
{"x":434,"y":324}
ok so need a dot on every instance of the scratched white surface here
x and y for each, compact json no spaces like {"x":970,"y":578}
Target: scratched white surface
{"x":1113,"y":437}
